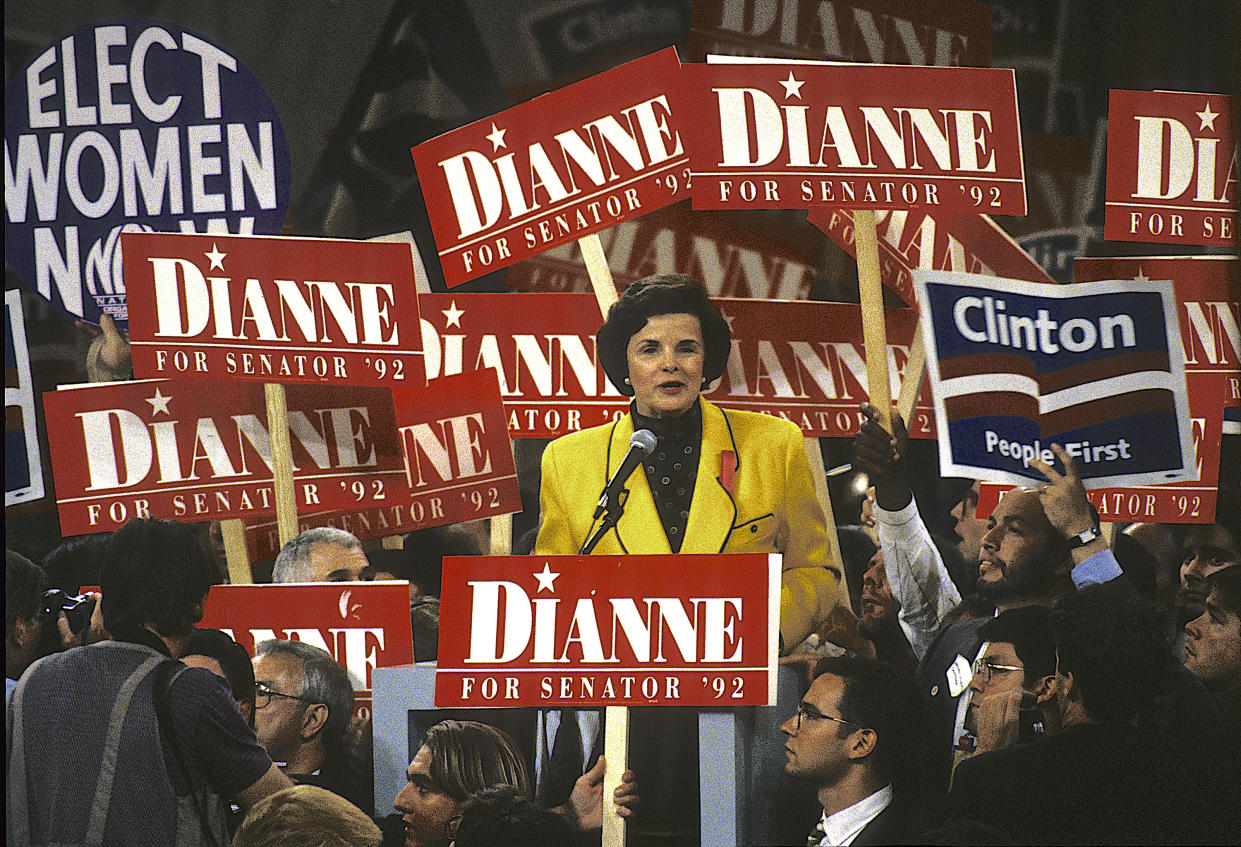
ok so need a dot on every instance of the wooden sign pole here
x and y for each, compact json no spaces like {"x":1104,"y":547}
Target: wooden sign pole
{"x":615,"y":718}
{"x":281,"y":461}
{"x":874,"y":332}
{"x":501,"y":535}
{"x":233,"y":531}
{"x":915,"y":369}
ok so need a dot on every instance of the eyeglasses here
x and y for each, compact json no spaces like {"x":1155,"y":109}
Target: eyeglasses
{"x":802,"y":714}
{"x":983,"y":668}
{"x":264,"y":692}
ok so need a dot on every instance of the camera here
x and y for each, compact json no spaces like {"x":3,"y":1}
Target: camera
{"x":78,"y":609}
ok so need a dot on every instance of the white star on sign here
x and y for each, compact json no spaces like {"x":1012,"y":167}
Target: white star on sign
{"x":453,"y":315}
{"x":159,"y":403}
{"x":1141,"y":277}
{"x":496,"y":137}
{"x":1207,"y":117}
{"x":792,"y":86}
{"x":216,"y":257}
{"x":546,"y":579}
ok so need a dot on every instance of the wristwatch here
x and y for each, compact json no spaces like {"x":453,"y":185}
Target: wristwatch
{"x":1083,"y":538}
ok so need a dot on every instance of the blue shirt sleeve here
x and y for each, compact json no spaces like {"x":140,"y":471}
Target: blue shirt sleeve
{"x":1098,"y":568}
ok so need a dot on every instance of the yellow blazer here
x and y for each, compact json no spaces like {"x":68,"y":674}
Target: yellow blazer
{"x":772,"y":507}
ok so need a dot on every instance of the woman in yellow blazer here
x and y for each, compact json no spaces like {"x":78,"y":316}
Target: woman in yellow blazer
{"x":718,"y":481}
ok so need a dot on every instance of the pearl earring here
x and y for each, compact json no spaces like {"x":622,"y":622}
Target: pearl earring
{"x":627,"y":382}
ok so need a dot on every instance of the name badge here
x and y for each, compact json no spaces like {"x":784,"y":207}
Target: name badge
{"x":959,"y":675}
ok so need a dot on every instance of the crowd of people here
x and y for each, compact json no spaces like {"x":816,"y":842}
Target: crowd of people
{"x":1034,"y":679}
{"x":1029,"y":683}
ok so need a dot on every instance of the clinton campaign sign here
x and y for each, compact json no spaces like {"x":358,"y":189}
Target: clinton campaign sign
{"x":1095,"y":367}
{"x":132,"y":126}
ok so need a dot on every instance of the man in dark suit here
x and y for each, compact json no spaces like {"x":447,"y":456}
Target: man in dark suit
{"x":1108,"y":776}
{"x":853,"y":736}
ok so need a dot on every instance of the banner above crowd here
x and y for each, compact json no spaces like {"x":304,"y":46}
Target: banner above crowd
{"x":457,"y":450}
{"x":1171,"y":168}
{"x":132,"y":126}
{"x":555,"y":631}
{"x":780,"y":136}
{"x":1210,"y":322}
{"x":1095,"y":367}
{"x":273,"y":309}
{"x":773,"y":256}
{"x":562,"y":166}
{"x":933,"y":32}
{"x":170,"y":449}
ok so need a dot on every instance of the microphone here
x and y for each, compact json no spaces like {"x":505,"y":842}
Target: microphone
{"x":641,"y":444}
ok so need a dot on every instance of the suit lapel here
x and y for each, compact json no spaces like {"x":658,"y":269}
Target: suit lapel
{"x":639,"y":529}
{"x":713,"y":512}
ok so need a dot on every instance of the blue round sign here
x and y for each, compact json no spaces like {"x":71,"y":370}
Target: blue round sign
{"x":132,"y":125}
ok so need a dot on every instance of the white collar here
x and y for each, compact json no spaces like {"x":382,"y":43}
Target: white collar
{"x":843,"y":826}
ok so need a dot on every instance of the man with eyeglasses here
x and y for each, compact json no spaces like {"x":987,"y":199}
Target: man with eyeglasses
{"x":1012,"y":690}
{"x":303,"y":701}
{"x":853,"y":736}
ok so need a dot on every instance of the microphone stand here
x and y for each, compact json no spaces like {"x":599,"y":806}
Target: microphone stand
{"x":612,"y":504}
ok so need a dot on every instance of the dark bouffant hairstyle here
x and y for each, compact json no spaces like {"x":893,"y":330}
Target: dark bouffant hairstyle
{"x":669,"y":294}
{"x":154,"y":572}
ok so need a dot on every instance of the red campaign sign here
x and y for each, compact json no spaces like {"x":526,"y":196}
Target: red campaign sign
{"x":457,"y":451}
{"x":542,"y":347}
{"x":734,"y":254}
{"x":801,"y":360}
{"x":364,"y":625}
{"x":896,"y":32}
{"x":1171,"y":168}
{"x":806,"y":362}
{"x":556,"y":631}
{"x":272,"y":309}
{"x":194,"y":452}
{"x":780,"y":136}
{"x":918,"y":240}
{"x":556,"y":168}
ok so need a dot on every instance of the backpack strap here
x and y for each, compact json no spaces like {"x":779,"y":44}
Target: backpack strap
{"x":165,"y":675}
{"x":111,"y":749}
